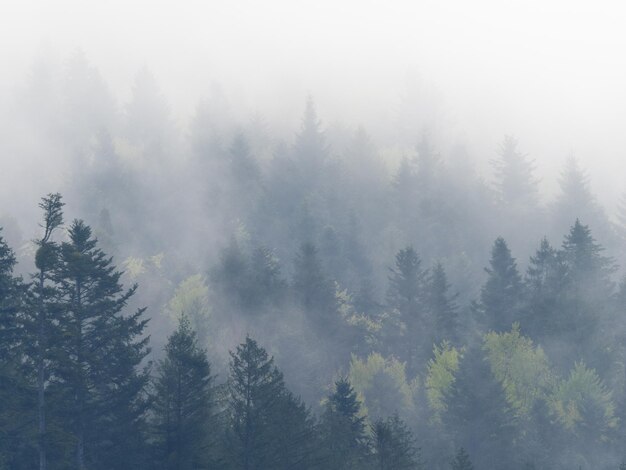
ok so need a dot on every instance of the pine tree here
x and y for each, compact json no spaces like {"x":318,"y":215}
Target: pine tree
{"x":40,"y":323}
{"x":544,"y":284}
{"x":394,"y":446}
{"x":15,"y":448}
{"x":184,"y":403}
{"x":268,"y":427}
{"x":501,"y":296}
{"x":314,"y":291}
{"x":441,"y":305}
{"x":406,"y":295}
{"x":461,"y":461}
{"x":478,"y":414}
{"x":99,"y":356}
{"x":516,"y":185}
{"x":344,"y":438}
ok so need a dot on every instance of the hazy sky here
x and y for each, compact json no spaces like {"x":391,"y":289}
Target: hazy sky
{"x":553,"y":73}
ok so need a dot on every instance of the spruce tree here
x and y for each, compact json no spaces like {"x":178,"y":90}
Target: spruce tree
{"x":478,"y":414}
{"x":344,"y":438}
{"x":184,"y":402}
{"x":441,"y":305}
{"x":268,"y":427}
{"x":15,"y":399}
{"x":394,"y":446}
{"x":515,"y":183}
{"x":501,"y":296}
{"x":312,"y":289}
{"x":99,"y":356}
{"x":41,"y":320}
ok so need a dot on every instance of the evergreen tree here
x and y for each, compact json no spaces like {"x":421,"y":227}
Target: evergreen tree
{"x":501,"y":296}
{"x":15,"y":446}
{"x":344,"y":438}
{"x":313,"y":290}
{"x":441,"y":306}
{"x":98,"y":377}
{"x":516,"y":185}
{"x":268,"y":427}
{"x":41,"y":322}
{"x":184,"y":403}
{"x":478,"y":414}
{"x":544,"y":285}
{"x":394,"y":446}
{"x":461,"y":461}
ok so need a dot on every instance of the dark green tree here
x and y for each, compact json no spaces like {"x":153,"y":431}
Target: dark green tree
{"x":312,"y":289}
{"x":16,"y":450}
{"x":394,"y":446}
{"x":184,"y":403}
{"x":99,"y":379}
{"x":268,"y":427}
{"x":501,"y":296}
{"x":41,"y":321}
{"x":344,"y":437}
{"x":441,"y":305}
{"x":478,"y":414}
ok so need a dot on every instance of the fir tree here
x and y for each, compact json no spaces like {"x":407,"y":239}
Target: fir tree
{"x":268,"y":427}
{"x":102,"y":390}
{"x":343,"y":430}
{"x":184,"y":403}
{"x":441,"y":305}
{"x":41,"y":321}
{"x":313,"y":290}
{"x":501,"y":296}
{"x":394,"y":446}
{"x":516,"y":185}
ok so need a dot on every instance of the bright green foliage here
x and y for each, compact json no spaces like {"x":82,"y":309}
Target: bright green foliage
{"x":520,"y":367}
{"x":184,"y":404}
{"x":382,"y":385}
{"x":442,"y":368}
{"x":394,"y":446}
{"x":584,"y":405}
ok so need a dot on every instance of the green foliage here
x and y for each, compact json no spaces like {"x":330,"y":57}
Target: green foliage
{"x":394,"y":446}
{"x":382,"y":386}
{"x":441,"y":371}
{"x":583,"y":404}
{"x":520,"y":367}
{"x":191,"y":299}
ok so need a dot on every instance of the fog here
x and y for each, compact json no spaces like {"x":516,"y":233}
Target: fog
{"x":405,"y":220}
{"x":550,"y":73}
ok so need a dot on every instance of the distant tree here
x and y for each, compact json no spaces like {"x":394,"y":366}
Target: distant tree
{"x":100,"y":384}
{"x":544,"y":284}
{"x":515,"y":182}
{"x":406,"y":295}
{"x":184,"y":403}
{"x":478,"y":414}
{"x":441,"y":305}
{"x":501,"y":296}
{"x":344,"y":437}
{"x":266,"y":281}
{"x":312,"y":289}
{"x":311,"y":149}
{"x":394,"y":446}
{"x":461,"y":461}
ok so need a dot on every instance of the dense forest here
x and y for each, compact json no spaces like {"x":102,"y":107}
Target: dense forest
{"x":231,"y":297}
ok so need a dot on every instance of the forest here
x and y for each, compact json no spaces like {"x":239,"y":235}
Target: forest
{"x":225,"y":295}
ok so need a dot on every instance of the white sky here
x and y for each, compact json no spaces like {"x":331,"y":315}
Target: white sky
{"x":551,"y":72}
